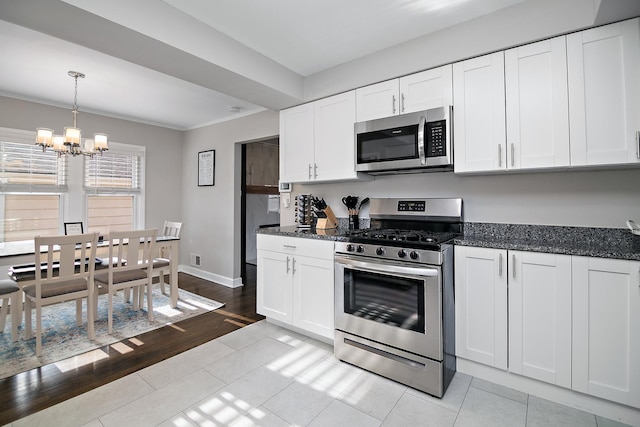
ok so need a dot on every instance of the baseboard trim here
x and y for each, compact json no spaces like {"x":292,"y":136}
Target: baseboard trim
{"x":615,"y":411}
{"x":222,"y":280}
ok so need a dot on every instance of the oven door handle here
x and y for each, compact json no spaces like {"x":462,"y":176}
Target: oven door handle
{"x":387,"y":268}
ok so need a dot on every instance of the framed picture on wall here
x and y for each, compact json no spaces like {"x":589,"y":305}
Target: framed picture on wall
{"x":206,"y":168}
{"x":73,"y":228}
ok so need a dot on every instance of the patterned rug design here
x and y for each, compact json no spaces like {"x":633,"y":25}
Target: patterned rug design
{"x":62,"y":338}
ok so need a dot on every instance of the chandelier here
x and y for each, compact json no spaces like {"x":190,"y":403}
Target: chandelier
{"x":71,"y":141}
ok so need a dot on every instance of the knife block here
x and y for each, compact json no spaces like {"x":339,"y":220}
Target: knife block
{"x":329,"y":222}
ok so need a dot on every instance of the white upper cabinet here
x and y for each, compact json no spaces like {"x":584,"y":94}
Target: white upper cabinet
{"x":604,"y":94}
{"x":428,"y":89}
{"x":297,"y":143}
{"x":317,"y":142}
{"x":532,"y":131}
{"x":479,"y":114}
{"x":537,"y":105}
{"x":420,"y":91}
{"x":334,"y":137}
{"x":377,"y":101}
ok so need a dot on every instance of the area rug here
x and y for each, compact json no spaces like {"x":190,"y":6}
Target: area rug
{"x":62,"y":338}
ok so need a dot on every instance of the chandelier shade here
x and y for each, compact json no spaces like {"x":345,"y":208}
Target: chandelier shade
{"x":71,"y":141}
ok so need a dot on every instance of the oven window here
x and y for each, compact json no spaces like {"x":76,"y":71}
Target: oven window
{"x":393,"y":300}
{"x":394,"y":144}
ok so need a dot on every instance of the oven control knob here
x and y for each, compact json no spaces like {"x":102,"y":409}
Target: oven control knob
{"x":360,"y":249}
{"x":402,"y":253}
{"x":414,"y":255}
{"x":380,"y":251}
{"x":350,"y":248}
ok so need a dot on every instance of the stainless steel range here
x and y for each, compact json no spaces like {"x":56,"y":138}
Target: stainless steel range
{"x":394,"y":292}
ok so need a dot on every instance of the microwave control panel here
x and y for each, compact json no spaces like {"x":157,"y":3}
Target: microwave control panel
{"x":435,"y":134}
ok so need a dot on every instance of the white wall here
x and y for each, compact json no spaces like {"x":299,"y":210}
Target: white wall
{"x":211,"y":215}
{"x":598,"y":198}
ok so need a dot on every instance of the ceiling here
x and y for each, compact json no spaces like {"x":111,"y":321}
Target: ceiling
{"x":184,"y":64}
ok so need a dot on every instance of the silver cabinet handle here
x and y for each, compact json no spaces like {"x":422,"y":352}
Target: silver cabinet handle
{"x":289,"y":246}
{"x":293,"y":265}
{"x":513,"y":261}
{"x":309,"y":170}
{"x":402,"y":103}
{"x":499,"y":155}
{"x":500,"y":265}
{"x":512,"y":155}
{"x":638,"y":145}
{"x":287,"y":265}
{"x":315,"y":171}
{"x":393,"y":103}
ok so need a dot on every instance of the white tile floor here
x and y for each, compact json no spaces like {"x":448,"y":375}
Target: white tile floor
{"x":263,"y":375}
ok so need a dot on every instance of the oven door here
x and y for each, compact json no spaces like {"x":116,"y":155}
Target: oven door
{"x":395,"y":304}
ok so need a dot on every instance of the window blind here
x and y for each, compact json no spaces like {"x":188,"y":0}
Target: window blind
{"x":25,"y":167}
{"x":113,"y":173}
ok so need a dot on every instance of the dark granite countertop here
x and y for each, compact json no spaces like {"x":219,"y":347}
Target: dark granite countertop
{"x":615,"y":243}
{"x":307,"y":233}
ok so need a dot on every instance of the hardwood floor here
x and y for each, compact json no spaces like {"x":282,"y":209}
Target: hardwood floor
{"x":40,"y":388}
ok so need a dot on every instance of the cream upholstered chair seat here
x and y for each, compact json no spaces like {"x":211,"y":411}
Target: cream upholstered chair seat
{"x":9,"y":290}
{"x":64,"y":271}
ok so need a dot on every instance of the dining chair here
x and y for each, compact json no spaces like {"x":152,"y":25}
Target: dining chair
{"x":161,"y":264}
{"x":130,"y":267}
{"x":64,"y":271}
{"x":9,"y":290}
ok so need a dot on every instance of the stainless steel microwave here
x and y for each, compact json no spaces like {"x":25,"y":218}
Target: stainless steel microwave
{"x":411,"y":142}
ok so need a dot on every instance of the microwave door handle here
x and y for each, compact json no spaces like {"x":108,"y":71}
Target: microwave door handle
{"x":421,"y":151}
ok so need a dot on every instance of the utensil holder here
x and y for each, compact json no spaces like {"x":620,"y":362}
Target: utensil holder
{"x":354,"y":222}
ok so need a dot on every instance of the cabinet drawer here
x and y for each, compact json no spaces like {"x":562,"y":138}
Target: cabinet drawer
{"x":296,"y":246}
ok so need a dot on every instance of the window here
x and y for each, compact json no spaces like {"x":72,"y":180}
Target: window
{"x":113,"y":185}
{"x":32,"y":183}
{"x":27,"y":167}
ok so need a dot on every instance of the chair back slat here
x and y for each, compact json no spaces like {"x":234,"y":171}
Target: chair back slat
{"x":172,"y":228}
{"x":56,"y":258}
{"x":135,"y":247}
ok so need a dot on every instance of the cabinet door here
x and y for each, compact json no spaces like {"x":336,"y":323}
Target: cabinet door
{"x":428,"y":89}
{"x":604,"y":94}
{"x":313,"y":303}
{"x":537,"y":105}
{"x":481,"y":305}
{"x":606,"y":329}
{"x":334,"y":137}
{"x":540,"y":316}
{"x":296,"y":144}
{"x":377,"y":101}
{"x":274,"y":285}
{"x":479,"y":114}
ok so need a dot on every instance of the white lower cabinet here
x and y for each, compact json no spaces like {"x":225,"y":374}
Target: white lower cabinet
{"x":540,"y":316}
{"x":606,"y":329}
{"x":295,"y":282}
{"x":481,"y":305}
{"x":572,"y":321}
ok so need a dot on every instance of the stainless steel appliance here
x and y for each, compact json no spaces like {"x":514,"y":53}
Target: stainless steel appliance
{"x":414,"y":142}
{"x":394,"y":312}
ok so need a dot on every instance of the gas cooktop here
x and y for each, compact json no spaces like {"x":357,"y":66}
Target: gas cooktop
{"x":399,"y":237}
